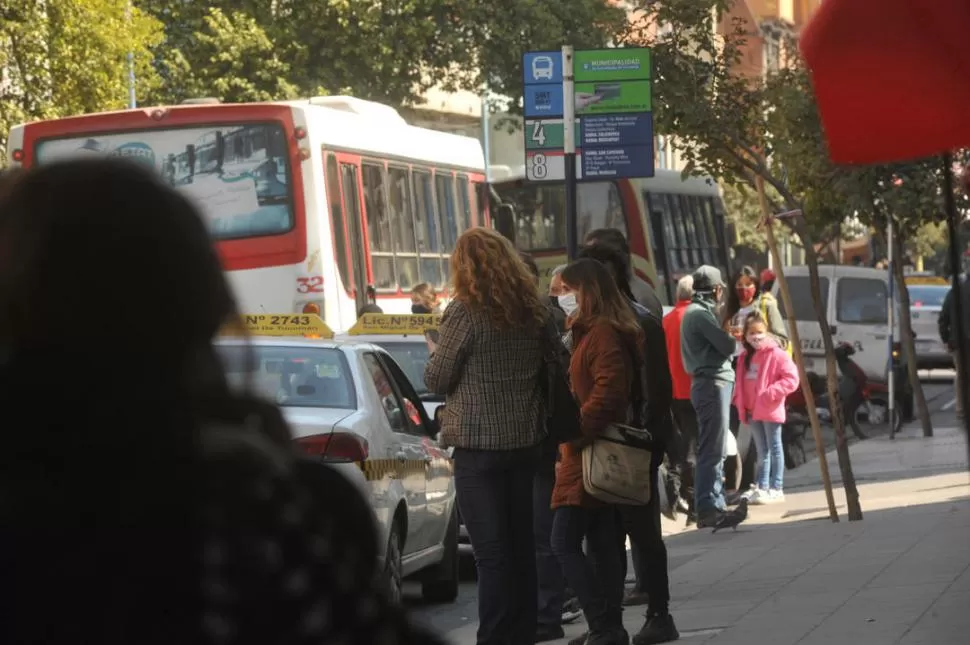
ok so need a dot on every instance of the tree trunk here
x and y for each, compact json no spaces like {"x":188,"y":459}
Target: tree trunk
{"x":832,"y":372}
{"x":806,"y":387}
{"x":908,"y":339}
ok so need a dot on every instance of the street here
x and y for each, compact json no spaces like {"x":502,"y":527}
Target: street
{"x":445,"y":619}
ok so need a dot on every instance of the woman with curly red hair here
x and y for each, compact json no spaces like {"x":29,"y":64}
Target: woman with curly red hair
{"x":487,"y":363}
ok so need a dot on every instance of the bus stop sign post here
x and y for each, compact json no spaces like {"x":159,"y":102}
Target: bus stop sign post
{"x":569,"y":150}
{"x":588,"y":117}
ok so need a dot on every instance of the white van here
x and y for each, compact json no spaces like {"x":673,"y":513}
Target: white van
{"x":855,"y":300}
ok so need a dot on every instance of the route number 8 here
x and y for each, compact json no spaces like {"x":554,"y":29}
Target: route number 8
{"x":539,"y":168}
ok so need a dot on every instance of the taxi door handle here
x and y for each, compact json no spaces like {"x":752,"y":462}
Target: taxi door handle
{"x":881,"y":336}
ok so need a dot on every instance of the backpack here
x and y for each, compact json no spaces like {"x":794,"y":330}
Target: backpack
{"x":766,"y":299}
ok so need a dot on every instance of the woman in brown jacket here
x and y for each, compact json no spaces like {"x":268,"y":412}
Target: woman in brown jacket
{"x":605,"y":337}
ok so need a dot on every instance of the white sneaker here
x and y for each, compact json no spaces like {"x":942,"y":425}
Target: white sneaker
{"x":758,"y":497}
{"x":751,"y":492}
{"x":774,"y":496}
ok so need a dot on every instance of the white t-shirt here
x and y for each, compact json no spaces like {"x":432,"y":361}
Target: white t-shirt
{"x":738,"y":321}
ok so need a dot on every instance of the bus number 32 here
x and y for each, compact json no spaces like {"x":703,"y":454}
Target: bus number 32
{"x":313,"y":284}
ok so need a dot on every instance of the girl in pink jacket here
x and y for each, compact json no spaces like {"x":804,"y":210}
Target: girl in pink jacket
{"x":766,"y":375}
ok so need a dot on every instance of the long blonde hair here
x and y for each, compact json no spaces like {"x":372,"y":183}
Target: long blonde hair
{"x":487,"y":273}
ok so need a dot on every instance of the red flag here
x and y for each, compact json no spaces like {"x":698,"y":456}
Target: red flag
{"x":892,"y":77}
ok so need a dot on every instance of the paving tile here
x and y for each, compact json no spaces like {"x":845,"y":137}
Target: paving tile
{"x":774,"y":629}
{"x":702,"y":617}
{"x":788,"y":602}
{"x":962,"y":583}
{"x":876,"y":616}
{"x":946,"y":621}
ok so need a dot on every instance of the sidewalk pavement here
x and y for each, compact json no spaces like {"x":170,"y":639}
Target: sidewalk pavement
{"x":789,"y":575}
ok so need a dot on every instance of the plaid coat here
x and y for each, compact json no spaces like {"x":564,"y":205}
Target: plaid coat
{"x":491,"y":379}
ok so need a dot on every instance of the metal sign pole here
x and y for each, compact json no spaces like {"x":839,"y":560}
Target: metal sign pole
{"x":569,"y":149}
{"x":890,"y":320}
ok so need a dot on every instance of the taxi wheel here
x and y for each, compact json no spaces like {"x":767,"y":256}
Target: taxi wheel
{"x":392,"y":565}
{"x":440,"y":583}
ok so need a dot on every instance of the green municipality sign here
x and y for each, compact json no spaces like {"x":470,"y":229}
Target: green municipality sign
{"x":613,"y":98}
{"x":546,"y":134}
{"x":611,"y":65}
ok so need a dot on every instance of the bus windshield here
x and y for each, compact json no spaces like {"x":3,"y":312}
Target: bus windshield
{"x":540,"y":211}
{"x":237,"y":174}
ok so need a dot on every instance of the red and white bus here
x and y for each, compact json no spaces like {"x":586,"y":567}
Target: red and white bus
{"x":673,"y":225}
{"x":309,"y":202}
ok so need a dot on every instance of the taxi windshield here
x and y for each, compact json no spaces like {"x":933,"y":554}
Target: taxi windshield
{"x":302,"y":377}
{"x":412,"y":357}
{"x":927,"y":295}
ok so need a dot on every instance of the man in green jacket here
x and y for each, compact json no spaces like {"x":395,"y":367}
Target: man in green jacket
{"x":707,"y":349}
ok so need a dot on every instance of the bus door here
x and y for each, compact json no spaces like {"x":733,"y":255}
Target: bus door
{"x":350,"y":187}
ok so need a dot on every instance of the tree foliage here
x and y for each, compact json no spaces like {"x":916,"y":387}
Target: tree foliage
{"x":64,"y":57}
{"x":386,"y":50}
{"x":230,"y":57}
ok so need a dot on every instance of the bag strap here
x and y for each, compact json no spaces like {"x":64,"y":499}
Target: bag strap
{"x":636,"y":394}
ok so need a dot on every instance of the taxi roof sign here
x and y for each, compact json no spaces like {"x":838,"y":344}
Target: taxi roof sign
{"x":926,"y":280}
{"x":394,"y":325}
{"x":305,"y":325}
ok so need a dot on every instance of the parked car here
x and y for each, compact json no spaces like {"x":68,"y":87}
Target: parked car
{"x":349,"y":403}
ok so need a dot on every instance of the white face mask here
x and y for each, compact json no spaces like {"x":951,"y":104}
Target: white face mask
{"x":568,"y":303}
{"x":757,"y":340}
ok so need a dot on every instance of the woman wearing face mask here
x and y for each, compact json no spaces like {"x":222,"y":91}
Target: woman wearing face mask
{"x":607,"y":338}
{"x":424,"y":300}
{"x":765,"y":375}
{"x":748,"y":297}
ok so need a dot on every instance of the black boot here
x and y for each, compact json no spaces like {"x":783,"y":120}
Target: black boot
{"x":659,"y":628}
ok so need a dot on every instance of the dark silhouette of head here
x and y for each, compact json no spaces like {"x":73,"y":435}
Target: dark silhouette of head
{"x":531,"y":263}
{"x":102,"y":252}
{"x":611,"y":237}
{"x":615,"y":261}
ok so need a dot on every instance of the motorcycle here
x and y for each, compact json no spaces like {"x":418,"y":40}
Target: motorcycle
{"x":863,"y":401}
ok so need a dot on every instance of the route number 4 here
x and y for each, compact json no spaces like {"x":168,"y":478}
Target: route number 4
{"x":539,"y":134}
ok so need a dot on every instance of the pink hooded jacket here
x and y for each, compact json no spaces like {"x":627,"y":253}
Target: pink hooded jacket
{"x":777,"y":378}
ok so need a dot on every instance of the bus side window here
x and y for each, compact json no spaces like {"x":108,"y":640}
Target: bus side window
{"x":378,"y":227}
{"x":402,"y":226}
{"x":337,"y":222}
{"x":690,"y":226}
{"x":696,"y":210}
{"x":466,"y":199}
{"x":445,"y":189}
{"x":680,"y":244}
{"x":426,"y":228}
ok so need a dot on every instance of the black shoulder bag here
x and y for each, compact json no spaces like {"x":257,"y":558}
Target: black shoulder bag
{"x":562,"y":411}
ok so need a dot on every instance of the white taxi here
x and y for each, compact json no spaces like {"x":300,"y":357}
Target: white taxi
{"x":405,"y":337}
{"x":351,"y":404}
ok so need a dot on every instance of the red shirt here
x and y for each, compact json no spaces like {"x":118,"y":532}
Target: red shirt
{"x":678,"y":374}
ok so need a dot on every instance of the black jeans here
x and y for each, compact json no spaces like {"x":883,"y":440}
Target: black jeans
{"x":495,"y":498}
{"x":642,"y":524}
{"x":551,"y":585}
{"x":595,"y":576}
{"x":685,"y":418}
